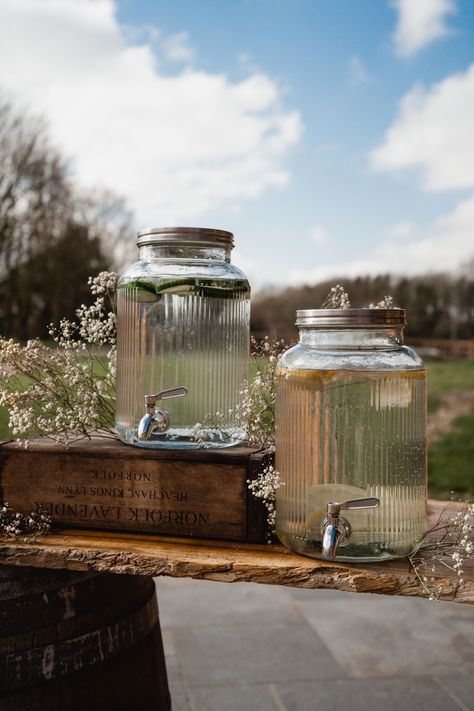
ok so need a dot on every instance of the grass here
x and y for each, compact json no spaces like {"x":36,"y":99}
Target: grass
{"x":451,"y":457}
{"x":451,"y":461}
{"x":448,"y":375}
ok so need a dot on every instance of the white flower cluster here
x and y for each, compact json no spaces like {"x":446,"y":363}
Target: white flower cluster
{"x":450,"y":544}
{"x":255,"y":413}
{"x":463,"y":523}
{"x":25,"y":526}
{"x":264,"y":487}
{"x":338,"y":298}
{"x":66,"y":392}
{"x":386,"y":303}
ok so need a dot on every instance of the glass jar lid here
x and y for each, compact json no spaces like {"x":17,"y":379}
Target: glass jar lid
{"x":196,"y":236}
{"x":350,"y":318}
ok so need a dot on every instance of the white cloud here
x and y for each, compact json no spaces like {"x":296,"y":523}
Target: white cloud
{"x":358,"y":74}
{"x":174,"y":144}
{"x":251,"y":267}
{"x":401,"y":231}
{"x":419,"y":23}
{"x":434,"y":132}
{"x":319,"y":234}
{"x":176,"y":48}
{"x":444,"y":246}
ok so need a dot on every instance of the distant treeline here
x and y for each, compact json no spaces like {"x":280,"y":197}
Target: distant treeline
{"x":52,"y":236}
{"x":438,"y":306}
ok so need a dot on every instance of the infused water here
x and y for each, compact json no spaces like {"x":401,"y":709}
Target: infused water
{"x":347,"y":434}
{"x":191,"y":332}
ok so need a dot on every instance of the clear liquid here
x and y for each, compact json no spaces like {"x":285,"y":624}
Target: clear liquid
{"x":345,"y":434}
{"x":187,"y":335}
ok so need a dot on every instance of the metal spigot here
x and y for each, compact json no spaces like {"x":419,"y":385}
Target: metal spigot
{"x":157,"y":420}
{"x":336,"y":528}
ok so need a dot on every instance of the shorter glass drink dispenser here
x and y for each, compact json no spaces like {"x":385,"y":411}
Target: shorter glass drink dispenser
{"x":351,"y":437}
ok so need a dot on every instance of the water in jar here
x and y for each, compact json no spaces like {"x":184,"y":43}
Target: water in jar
{"x":190,"y":332}
{"x":343,"y":435}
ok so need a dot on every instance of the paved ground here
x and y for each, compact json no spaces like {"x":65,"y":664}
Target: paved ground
{"x":244,"y":647}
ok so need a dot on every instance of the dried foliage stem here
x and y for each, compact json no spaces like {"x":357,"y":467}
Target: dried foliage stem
{"x":448,"y":544}
{"x":23,"y":526}
{"x":65,"y":392}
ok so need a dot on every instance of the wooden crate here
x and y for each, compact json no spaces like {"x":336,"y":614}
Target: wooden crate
{"x":109,"y":485}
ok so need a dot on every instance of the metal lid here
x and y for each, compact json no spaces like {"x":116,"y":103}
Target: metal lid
{"x":350,"y":318}
{"x":197,"y":236}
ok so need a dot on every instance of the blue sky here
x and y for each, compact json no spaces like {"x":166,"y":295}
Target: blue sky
{"x":332,"y":137}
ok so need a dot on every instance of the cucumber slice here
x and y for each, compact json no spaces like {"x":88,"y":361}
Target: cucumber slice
{"x":147,"y":292}
{"x":140,"y":291}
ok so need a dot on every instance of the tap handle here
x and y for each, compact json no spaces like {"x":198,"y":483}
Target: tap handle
{"x":172,"y":392}
{"x":334,"y":508}
{"x":369,"y":503}
{"x":165,"y":395}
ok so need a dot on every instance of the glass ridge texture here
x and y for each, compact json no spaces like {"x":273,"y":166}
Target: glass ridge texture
{"x":183,"y":319}
{"x":351,"y":423}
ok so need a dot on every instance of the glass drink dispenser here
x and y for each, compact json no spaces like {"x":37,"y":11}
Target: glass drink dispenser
{"x":183,"y":313}
{"x":351,"y":437}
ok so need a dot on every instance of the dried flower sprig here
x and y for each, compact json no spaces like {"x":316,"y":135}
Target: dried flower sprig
{"x":66,"y":392}
{"x":23,"y":526}
{"x":386,"y":303}
{"x":264,"y":487}
{"x":254,"y":415}
{"x":338,"y":298}
{"x":255,"y":412}
{"x":448,"y":544}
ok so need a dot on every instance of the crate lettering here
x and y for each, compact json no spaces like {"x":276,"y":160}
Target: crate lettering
{"x":103,"y":484}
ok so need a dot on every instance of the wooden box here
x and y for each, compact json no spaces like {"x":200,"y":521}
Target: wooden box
{"x":109,"y":485}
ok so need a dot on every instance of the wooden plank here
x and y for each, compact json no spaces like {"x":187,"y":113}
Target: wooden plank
{"x":111,"y":486}
{"x":225,"y":562}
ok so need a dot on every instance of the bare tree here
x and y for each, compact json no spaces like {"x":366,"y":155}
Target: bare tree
{"x":51,"y":236}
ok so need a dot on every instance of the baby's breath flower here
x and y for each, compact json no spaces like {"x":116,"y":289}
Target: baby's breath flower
{"x":65,"y":392}
{"x":23,"y":526}
{"x":449,"y":544}
{"x":264,"y":487}
{"x":386,"y":303}
{"x":337,"y":298}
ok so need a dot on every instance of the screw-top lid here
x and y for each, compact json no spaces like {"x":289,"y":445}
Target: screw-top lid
{"x":196,"y":236}
{"x":350,"y":318}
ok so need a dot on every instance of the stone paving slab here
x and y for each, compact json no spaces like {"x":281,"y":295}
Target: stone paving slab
{"x":234,"y":698}
{"x":266,"y":648}
{"x":371,"y":636}
{"x":422,"y":694}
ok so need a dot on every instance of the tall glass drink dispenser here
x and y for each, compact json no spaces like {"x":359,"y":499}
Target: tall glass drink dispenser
{"x":183,"y":313}
{"x":351,"y":437}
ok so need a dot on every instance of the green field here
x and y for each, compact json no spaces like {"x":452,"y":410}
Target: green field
{"x":451,"y":461}
{"x":446,"y":376}
{"x":451,"y":457}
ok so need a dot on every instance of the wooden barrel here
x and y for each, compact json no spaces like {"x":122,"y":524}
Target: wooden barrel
{"x":80,"y":641}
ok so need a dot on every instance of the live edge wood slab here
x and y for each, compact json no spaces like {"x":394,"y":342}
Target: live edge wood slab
{"x":225,"y":562}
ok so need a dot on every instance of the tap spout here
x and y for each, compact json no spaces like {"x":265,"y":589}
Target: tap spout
{"x":331,"y":536}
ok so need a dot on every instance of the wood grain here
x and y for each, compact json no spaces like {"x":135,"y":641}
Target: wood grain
{"x":225,"y":562}
{"x":111,"y":486}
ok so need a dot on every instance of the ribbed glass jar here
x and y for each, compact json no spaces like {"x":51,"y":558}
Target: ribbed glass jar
{"x":183,"y":315}
{"x":351,"y":424}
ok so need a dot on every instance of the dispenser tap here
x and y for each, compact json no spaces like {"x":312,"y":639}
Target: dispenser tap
{"x":336,"y":528}
{"x":157,"y":420}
